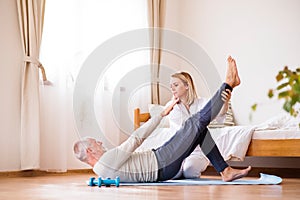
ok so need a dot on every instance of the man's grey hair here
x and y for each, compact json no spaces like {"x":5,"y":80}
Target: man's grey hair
{"x":80,"y":147}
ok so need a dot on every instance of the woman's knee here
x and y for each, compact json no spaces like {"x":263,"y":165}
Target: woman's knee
{"x":193,"y":167}
{"x":191,"y":172}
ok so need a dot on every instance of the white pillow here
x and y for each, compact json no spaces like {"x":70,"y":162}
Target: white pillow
{"x":228,"y":120}
{"x":154,"y":110}
{"x":282,"y":121}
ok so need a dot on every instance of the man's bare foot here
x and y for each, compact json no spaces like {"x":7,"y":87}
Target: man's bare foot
{"x":232,"y":77}
{"x":231,"y":174}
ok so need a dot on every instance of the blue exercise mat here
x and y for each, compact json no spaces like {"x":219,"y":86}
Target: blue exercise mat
{"x":265,"y":179}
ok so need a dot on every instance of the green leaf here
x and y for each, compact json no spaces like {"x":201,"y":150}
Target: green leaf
{"x":270,"y":93}
{"x":279,"y":77}
{"x":254,"y":106}
{"x":292,"y":112}
{"x":287,"y":71}
{"x":283,"y":94}
{"x":282,"y":85}
{"x":287,"y":106}
{"x":296,"y":88}
{"x":294,"y":99}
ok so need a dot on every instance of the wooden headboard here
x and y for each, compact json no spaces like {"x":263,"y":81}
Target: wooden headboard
{"x":139,"y":117}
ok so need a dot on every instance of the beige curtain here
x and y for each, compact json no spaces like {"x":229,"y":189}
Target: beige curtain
{"x":156,"y":10}
{"x":31,"y":16}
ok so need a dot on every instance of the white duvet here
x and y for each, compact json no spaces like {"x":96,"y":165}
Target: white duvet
{"x":233,"y":141}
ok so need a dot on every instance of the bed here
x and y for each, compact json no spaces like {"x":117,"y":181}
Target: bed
{"x":268,"y":143}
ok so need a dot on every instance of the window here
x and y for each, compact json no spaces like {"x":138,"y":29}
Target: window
{"x":72,"y":30}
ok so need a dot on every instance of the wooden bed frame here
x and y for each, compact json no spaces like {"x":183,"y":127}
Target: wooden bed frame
{"x":272,"y":148}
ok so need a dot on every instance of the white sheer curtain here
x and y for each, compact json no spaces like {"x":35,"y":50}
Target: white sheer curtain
{"x":72,"y":30}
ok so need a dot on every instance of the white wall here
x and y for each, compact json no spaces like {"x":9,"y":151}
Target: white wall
{"x":263,"y":36}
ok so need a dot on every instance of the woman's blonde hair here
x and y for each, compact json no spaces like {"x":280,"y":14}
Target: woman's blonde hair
{"x":186,"y":78}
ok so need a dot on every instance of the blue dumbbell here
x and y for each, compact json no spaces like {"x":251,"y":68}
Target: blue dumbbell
{"x":107,"y":182}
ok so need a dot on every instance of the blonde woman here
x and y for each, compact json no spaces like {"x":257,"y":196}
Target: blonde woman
{"x":183,"y":89}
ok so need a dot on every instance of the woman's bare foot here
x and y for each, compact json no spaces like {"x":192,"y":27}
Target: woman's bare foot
{"x":231,"y":174}
{"x":232,"y":76}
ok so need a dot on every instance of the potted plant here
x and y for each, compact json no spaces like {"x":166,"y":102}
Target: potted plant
{"x":288,"y":89}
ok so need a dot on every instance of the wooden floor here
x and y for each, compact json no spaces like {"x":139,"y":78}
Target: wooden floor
{"x":73,"y":186}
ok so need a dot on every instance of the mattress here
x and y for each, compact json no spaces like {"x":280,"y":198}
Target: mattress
{"x":276,"y":134}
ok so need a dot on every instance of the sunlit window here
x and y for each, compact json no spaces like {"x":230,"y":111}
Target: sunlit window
{"x":73,"y":29}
